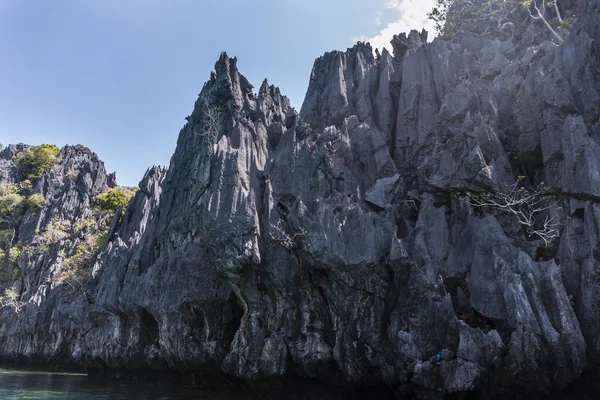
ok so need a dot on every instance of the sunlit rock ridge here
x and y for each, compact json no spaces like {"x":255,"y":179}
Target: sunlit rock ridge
{"x":340,"y":244}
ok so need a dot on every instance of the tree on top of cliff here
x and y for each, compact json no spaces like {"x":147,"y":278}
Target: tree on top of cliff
{"x":537,"y":11}
{"x":490,"y":18}
{"x":37,"y":161}
{"x":493,"y":18}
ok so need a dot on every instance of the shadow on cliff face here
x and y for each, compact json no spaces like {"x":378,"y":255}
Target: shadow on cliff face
{"x":587,"y":387}
{"x":149,"y":334}
{"x":236,"y":318}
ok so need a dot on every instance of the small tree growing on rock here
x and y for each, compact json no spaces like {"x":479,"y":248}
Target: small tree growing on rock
{"x":290,"y":242}
{"x":11,"y":299}
{"x":74,"y":268}
{"x":210,"y":126}
{"x":537,"y":11}
{"x":531,"y":207}
{"x":119,"y":196}
{"x":37,"y":161}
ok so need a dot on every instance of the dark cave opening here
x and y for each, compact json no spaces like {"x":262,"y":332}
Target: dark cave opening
{"x":234,"y":317}
{"x":149,"y":332}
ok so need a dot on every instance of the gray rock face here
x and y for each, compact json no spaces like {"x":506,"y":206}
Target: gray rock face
{"x":51,"y":313}
{"x":383,"y":192}
{"x":339,"y":243}
{"x":8,"y":169}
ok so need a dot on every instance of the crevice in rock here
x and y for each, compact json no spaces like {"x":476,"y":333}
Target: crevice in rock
{"x":546,"y":253}
{"x":395,"y":90}
{"x":197,"y":322}
{"x":475,"y":320}
{"x":236,"y":312}
{"x":459,"y":292}
{"x":579,"y":213}
{"x":263,"y":218}
{"x":406,"y":215}
{"x":328,"y":326}
{"x":149,"y":332}
{"x":124,"y":327}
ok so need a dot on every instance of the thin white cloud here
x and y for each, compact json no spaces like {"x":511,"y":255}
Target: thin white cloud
{"x":411,"y":14}
{"x":377,"y":20}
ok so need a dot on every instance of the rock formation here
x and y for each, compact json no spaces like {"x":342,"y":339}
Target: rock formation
{"x":339,"y":244}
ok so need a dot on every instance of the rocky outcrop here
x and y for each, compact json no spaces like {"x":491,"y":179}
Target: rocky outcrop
{"x":341,"y":243}
{"x":50,"y":313}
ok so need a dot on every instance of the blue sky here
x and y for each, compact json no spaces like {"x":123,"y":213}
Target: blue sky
{"x":119,"y":76}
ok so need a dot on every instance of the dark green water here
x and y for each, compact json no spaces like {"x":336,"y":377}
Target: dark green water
{"x":34,"y":385}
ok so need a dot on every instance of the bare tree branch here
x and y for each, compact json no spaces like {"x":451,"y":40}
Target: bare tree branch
{"x":541,"y":11}
{"x":11,"y":299}
{"x":557,"y":11}
{"x":284,"y":239}
{"x":211,"y":126}
{"x":528,"y":205}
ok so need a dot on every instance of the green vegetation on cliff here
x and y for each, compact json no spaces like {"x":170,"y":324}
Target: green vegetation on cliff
{"x":37,"y":161}
{"x":119,"y":196}
{"x":495,"y":18}
{"x":15,"y":200}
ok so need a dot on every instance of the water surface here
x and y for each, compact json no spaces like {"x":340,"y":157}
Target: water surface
{"x":18,"y":384}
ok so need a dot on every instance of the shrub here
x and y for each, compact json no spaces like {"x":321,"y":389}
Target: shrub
{"x":55,"y":231}
{"x":37,"y":161}
{"x":10,"y":202}
{"x":74,"y":268}
{"x":6,"y":237}
{"x":111,"y":200}
{"x":25,"y":187}
{"x":36,"y":201}
{"x":100,"y":241}
{"x":85,"y":223}
{"x":13,"y":254}
{"x":13,"y":202}
{"x":11,"y":207}
{"x":8,"y":188}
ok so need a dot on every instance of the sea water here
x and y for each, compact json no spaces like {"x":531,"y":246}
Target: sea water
{"x":16,"y":384}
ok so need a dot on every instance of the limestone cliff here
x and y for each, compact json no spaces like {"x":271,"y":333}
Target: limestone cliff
{"x":342,"y":243}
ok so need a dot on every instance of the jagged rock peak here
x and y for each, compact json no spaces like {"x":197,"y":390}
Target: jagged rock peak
{"x":230,"y":91}
{"x":111,"y":180}
{"x":8,"y":169}
{"x":270,"y":89}
{"x":152,"y":175}
{"x":13,"y":149}
{"x":78,"y":150}
{"x":401,"y":43}
{"x":226,"y":83}
{"x":359,"y":47}
{"x":342,"y":84}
